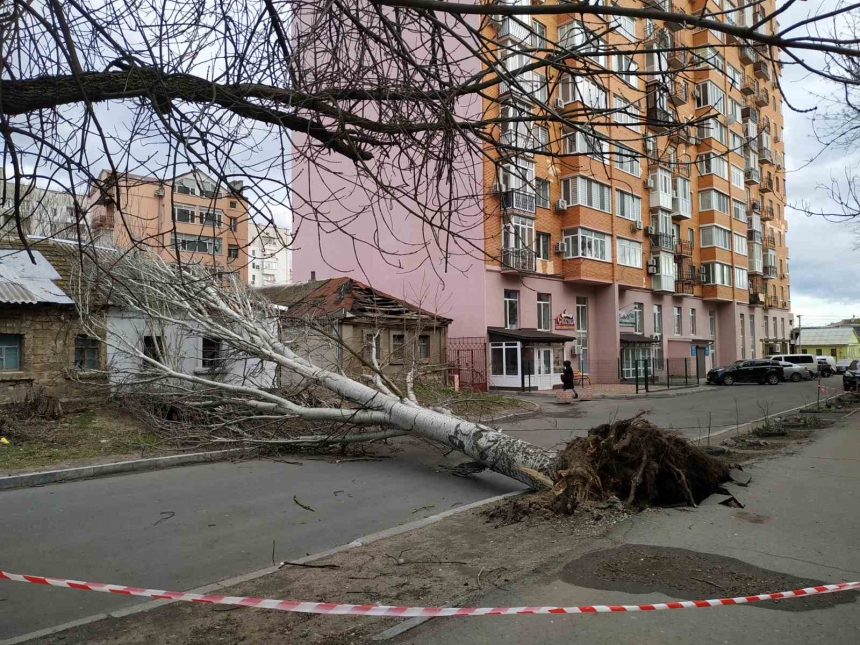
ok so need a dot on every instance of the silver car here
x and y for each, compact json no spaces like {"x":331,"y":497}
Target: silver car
{"x":794,"y":373}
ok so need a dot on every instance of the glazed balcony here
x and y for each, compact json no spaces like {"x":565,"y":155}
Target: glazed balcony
{"x":662,"y":242}
{"x":769,"y":271}
{"x":747,"y":55}
{"x":752,"y":176}
{"x":518,"y":200}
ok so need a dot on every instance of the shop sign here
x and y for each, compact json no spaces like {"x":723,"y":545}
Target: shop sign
{"x":627,"y":318}
{"x":566,"y":320}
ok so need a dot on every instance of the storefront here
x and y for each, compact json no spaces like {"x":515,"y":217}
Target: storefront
{"x":638,"y":354}
{"x":526,"y":359}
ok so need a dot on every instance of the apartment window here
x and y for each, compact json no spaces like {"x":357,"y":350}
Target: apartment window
{"x":86,"y":353}
{"x":658,"y":319}
{"x":774,"y":327}
{"x":581,"y":88}
{"x":210,"y":353}
{"x":715,"y":236}
{"x":711,"y":96}
{"x":512,"y":308}
{"x":541,"y":91}
{"x":233,"y":251}
{"x":584,"y":191}
{"x":676,"y":315}
{"x":542,"y":246}
{"x":712,"y":324}
{"x":737,"y":176}
{"x":504,"y":359}
{"x":424,"y":346}
{"x":639,"y":317}
{"x":196,"y":244}
{"x":234,"y":204}
{"x":743,"y":337}
{"x":542,"y":193}
{"x":717,"y":273}
{"x":737,"y":140}
{"x":232,"y":224}
{"x":585,"y":142}
{"x":183,"y":213}
{"x":713,"y":200}
{"x":708,"y":56}
{"x":626,"y":26}
{"x":518,"y":174}
{"x":10,"y":352}
{"x":541,"y":135}
{"x":517,"y":132}
{"x":626,"y":68}
{"x":782,"y":327}
{"x":628,"y":206}
{"x":629,"y":253}
{"x":713,"y":129}
{"x":692,"y":322}
{"x":153,"y":347}
{"x":710,"y":163}
{"x":626,"y":113}
{"x":519,"y":233}
{"x":741,"y":279}
{"x":210,"y":216}
{"x":734,"y":75}
{"x":585,"y":243}
{"x":538,"y":36}
{"x":544,"y":311}
{"x":739,"y":210}
{"x":752,"y":335}
{"x":627,"y":159}
{"x":740,"y":243}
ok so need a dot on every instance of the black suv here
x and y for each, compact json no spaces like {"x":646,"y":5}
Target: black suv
{"x":761,"y":372}
{"x":851,"y":377}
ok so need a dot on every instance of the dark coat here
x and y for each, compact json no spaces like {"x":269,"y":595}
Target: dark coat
{"x":567,"y":378}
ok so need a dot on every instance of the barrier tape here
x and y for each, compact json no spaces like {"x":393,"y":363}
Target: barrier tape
{"x":404,"y":612}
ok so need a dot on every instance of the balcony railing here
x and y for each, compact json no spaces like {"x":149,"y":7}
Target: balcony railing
{"x":756,"y":298}
{"x":771,"y":301}
{"x":752,"y":176}
{"x":769,"y":242}
{"x":766,"y":185}
{"x":522,"y":84}
{"x":521,"y":141}
{"x":747,"y":55}
{"x":685,"y":288}
{"x":765,"y":156}
{"x":684,"y":248}
{"x":762,"y":98}
{"x":662,"y":241}
{"x":518,"y":200}
{"x":749,"y":85}
{"x":761,"y":69}
{"x":769,"y":271}
{"x":757,"y":286}
{"x":685,"y":270}
{"x":679,"y":92}
{"x":767,"y":215}
{"x":513,"y":30}
{"x":518,"y":260}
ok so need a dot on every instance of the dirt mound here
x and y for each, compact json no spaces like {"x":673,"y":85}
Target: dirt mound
{"x":637,"y":462}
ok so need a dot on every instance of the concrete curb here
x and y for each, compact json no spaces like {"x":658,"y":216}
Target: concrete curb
{"x":26,"y":480}
{"x":253,"y":575}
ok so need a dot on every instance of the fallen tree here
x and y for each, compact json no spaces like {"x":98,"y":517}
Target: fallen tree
{"x":145,"y":310}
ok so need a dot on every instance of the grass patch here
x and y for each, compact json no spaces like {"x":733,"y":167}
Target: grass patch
{"x":466,"y":403}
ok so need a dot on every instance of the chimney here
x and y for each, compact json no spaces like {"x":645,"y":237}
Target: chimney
{"x":237,"y":186}
{"x":313,"y":275}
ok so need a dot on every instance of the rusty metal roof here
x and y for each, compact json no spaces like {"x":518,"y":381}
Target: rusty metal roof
{"x":24,"y":282}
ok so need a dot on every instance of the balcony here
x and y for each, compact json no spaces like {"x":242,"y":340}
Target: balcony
{"x":755,"y":270}
{"x":756,"y":298}
{"x":771,"y":301}
{"x":761,"y":69}
{"x":756,"y":284}
{"x":676,"y":59}
{"x":522,"y":85}
{"x":768,"y":215}
{"x":751,"y":143}
{"x":685,"y":270}
{"x":513,"y":30}
{"x":680,"y":134}
{"x":679,"y":92}
{"x":754,"y":235}
{"x":752,"y":176}
{"x":766,"y":185}
{"x":673,"y":26}
{"x":754,"y":209}
{"x":749,"y":113}
{"x":685,"y":288}
{"x":662,"y":242}
{"x":662,"y":282}
{"x":747,"y":55}
{"x":749,"y":86}
{"x":770,"y":242}
{"x":769,"y":271}
{"x":762,"y":98}
{"x":518,"y":200}
{"x":765,"y":156}
{"x":683,"y":248}
{"x":518,"y":260}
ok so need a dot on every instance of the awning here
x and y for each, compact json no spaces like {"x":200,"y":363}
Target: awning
{"x":500,"y":335}
{"x":637,"y":339}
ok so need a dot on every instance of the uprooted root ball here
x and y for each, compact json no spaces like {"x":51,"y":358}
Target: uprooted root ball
{"x":637,"y":462}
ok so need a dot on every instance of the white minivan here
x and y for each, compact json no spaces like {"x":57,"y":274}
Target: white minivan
{"x":807,"y":360}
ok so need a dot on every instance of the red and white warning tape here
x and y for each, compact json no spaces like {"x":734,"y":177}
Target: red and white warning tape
{"x":382,"y":610}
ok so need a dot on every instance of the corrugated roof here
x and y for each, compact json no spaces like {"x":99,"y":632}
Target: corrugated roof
{"x":23,"y":282}
{"x":827,"y":336}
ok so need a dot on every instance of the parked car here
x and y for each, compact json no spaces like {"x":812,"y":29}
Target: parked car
{"x":851,"y":377}
{"x":795,"y":373}
{"x":827,"y":365}
{"x":797,"y":359}
{"x":756,"y":371}
{"x":842,"y":365}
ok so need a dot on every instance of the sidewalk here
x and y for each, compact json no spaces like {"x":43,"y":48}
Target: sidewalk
{"x":800,"y":523}
{"x":617,"y":391}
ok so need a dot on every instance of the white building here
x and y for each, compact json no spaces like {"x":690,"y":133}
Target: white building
{"x":44,"y":213}
{"x":269,"y":257}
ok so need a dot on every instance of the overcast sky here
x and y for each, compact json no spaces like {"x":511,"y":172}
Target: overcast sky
{"x":825,"y":281}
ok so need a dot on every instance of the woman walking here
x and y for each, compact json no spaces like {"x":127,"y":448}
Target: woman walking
{"x":567,"y":379}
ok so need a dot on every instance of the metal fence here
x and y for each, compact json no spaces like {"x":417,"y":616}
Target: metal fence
{"x":636,"y":376}
{"x":467,"y":357}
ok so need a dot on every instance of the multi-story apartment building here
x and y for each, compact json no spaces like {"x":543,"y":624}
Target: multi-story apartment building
{"x":44,"y":213}
{"x":269,"y":251}
{"x":189,"y":218}
{"x":620,"y":235}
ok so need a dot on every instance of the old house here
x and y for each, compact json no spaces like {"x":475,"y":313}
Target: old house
{"x":338,"y":322}
{"x":42,"y":343}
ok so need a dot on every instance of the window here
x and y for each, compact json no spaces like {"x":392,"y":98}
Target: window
{"x":740,"y":243}
{"x":10,"y":352}
{"x":585,"y":142}
{"x":752,"y":335}
{"x":504,"y":359}
{"x":538,"y":36}
{"x":658,"y":319}
{"x":582,"y":88}
{"x":717,"y":273}
{"x":639,"y":314}
{"x":544,"y":311}
{"x":196,"y":244}
{"x":519,"y":233}
{"x":739,"y":210}
{"x":743,"y":337}
{"x":582,"y":327}
{"x":210,"y":216}
{"x":584,"y":191}
{"x":210,"y":354}
{"x":713,"y":129}
{"x":710,"y":163}
{"x":711,"y":95}
{"x":774,"y":327}
{"x":542,"y":246}
{"x":398,"y":347}
{"x":741,"y":279}
{"x":818,"y":352}
{"x":234,"y":204}
{"x":232,"y":224}
{"x":676,"y":314}
{"x":737,"y":176}
{"x":626,"y":26}
{"x":692,"y":322}
{"x":629,"y":253}
{"x":626,"y":113}
{"x":782,"y":327}
{"x":585,"y":243}
{"x":372,"y":342}
{"x":628,"y":206}
{"x":268,"y":278}
{"x":712,"y":323}
{"x":737,"y":141}
{"x":541,"y":92}
{"x":708,"y":56}
{"x":735,"y":76}
{"x":715,"y":236}
{"x":626,"y":68}
{"x":153,"y":347}
{"x":86,"y":353}
{"x":424,"y":346}
{"x":512,"y":308}
{"x":713,"y":200}
{"x":183,"y":213}
{"x":517,"y":174}
{"x":541,"y":135}
{"x":233,"y":251}
{"x":542,"y":193}
{"x":627,"y":159}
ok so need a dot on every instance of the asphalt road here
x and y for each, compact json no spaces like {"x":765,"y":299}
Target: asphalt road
{"x":187,"y":527}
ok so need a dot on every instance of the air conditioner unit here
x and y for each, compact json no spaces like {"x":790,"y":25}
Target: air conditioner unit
{"x":650,"y":230}
{"x":649,"y":184}
{"x":658,"y":337}
{"x":576,"y":350}
{"x":561,"y":205}
{"x":159,"y":192}
{"x":559,"y":103}
{"x":495,"y":189}
{"x":637,"y":225}
{"x":560,"y":247}
{"x":652,"y":269}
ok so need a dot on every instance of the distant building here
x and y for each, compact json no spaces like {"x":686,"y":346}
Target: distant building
{"x":269,"y":255}
{"x":44,"y":213}
{"x":189,"y":217}
{"x":838,"y":342}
